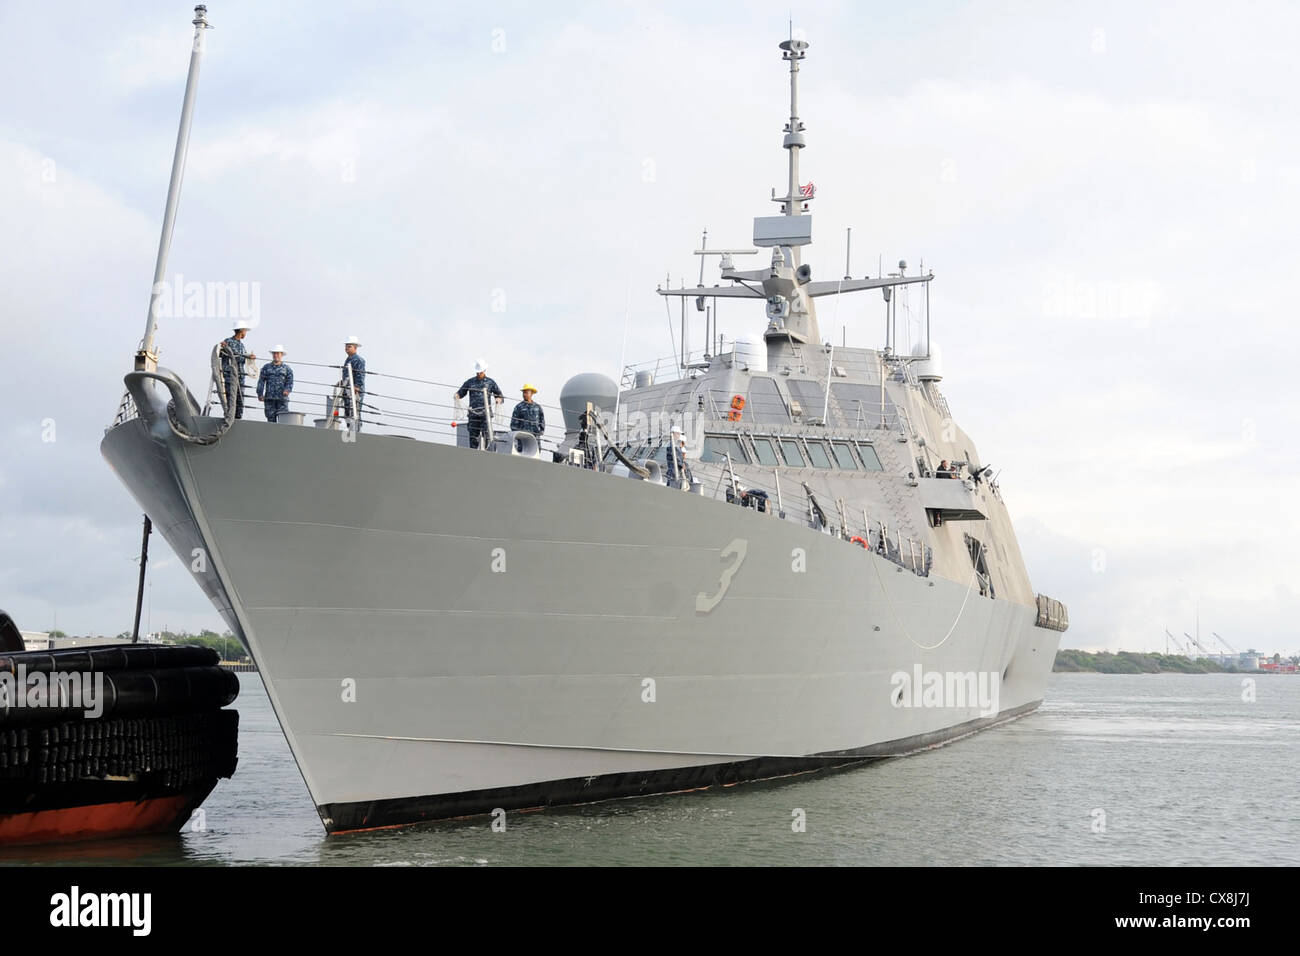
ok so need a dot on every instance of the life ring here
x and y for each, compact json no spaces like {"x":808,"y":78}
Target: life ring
{"x":857,"y":539}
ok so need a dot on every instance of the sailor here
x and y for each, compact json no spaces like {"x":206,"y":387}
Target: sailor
{"x":754,"y":498}
{"x":944,"y":470}
{"x":274,"y":385}
{"x":478,"y":388}
{"x":232,"y":365}
{"x":528,"y":415}
{"x":353,"y":381}
{"x":586,"y":443}
{"x":679,"y":474}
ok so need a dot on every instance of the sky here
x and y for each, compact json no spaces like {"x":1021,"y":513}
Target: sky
{"x":1106,"y":193}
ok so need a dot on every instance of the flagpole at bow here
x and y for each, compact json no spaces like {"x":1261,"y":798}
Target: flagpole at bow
{"x":147,"y":358}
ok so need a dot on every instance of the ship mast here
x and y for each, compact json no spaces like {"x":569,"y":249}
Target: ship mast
{"x":792,"y":317}
{"x":794,"y":138}
{"x":146,"y":360}
{"x":787,"y":284}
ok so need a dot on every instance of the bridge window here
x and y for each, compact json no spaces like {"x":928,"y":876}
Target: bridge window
{"x":793,"y":456}
{"x":844,"y":455}
{"x":717,"y":447}
{"x":817,"y":454}
{"x":766,"y":453}
{"x":870,"y":460}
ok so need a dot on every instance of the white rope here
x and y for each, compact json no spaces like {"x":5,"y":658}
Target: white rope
{"x":906,"y":632}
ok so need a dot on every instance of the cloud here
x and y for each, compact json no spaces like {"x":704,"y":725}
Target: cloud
{"x":148,"y":59}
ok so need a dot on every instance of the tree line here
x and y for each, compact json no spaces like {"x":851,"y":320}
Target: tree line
{"x":224,"y":644}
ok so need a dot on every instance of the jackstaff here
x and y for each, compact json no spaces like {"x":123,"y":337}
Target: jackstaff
{"x":146,"y":360}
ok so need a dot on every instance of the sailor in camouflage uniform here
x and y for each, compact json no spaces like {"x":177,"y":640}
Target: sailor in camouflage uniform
{"x":274,"y":385}
{"x":477,"y":388}
{"x":528,"y":415}
{"x":679,"y":473}
{"x":232,"y":369}
{"x":355,"y":364}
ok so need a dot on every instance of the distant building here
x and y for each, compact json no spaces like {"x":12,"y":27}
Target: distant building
{"x":1280,"y":667}
{"x":41,"y":641}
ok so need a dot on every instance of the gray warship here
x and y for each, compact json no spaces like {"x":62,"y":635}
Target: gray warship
{"x":817,"y":593}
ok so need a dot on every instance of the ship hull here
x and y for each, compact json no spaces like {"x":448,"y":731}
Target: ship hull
{"x":445,"y":632}
{"x":377,"y":814}
{"x":100,"y":811}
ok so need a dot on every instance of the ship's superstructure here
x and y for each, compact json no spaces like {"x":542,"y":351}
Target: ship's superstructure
{"x":818,"y":592}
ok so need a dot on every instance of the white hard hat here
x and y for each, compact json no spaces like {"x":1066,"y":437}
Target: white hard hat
{"x":242,"y":324}
{"x":277,"y":348}
{"x":353,"y":340}
{"x":480,"y":366}
{"x":676,"y":430}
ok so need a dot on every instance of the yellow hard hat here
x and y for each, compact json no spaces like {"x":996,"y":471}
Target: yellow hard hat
{"x":529,"y":388}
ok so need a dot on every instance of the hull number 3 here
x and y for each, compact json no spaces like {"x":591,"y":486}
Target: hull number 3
{"x":734,"y":556}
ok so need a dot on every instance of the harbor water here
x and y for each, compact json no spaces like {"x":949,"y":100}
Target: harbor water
{"x":1159,"y":769}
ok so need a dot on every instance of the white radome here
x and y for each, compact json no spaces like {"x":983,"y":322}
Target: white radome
{"x":931,"y":369}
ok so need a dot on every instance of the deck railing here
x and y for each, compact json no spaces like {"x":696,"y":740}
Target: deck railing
{"x":791,"y":502}
{"x":666,"y":369}
{"x":391,"y":404}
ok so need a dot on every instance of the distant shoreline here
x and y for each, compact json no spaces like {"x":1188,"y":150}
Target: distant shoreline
{"x":1070,"y":661}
